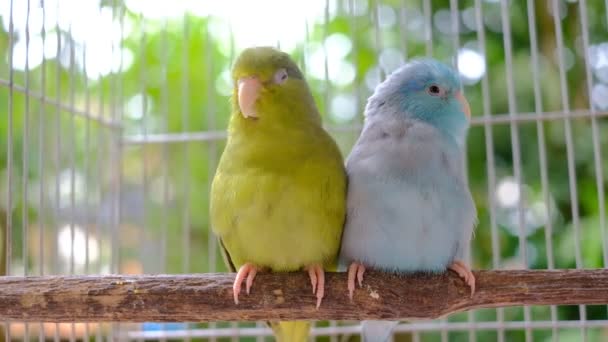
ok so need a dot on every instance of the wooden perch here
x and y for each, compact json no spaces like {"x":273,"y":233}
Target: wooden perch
{"x":208,"y":297}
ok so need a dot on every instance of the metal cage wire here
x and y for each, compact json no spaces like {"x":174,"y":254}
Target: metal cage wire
{"x":112,"y":139}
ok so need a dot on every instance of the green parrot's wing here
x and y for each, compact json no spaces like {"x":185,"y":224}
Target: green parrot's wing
{"x":226,"y":255}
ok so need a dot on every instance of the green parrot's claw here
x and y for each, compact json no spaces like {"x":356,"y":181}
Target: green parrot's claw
{"x":247,"y":271}
{"x":317,"y":280}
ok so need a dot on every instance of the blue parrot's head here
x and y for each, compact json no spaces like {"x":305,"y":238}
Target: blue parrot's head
{"x":426,"y":90}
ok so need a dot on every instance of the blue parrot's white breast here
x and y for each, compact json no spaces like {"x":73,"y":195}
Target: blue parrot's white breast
{"x":409,"y":208}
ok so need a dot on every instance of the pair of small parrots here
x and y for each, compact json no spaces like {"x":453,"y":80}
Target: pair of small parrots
{"x":282,"y":200}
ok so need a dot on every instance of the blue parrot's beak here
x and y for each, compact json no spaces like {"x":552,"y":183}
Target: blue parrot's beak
{"x":248,"y":93}
{"x":466,"y":109}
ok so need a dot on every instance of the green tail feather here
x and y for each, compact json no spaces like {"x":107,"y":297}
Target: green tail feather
{"x":292,"y":331}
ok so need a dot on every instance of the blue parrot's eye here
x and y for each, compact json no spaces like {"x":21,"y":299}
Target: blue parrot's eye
{"x":435,"y":90}
{"x":280,"y":76}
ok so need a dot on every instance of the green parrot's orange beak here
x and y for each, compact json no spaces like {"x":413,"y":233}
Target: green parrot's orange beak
{"x":466,"y":109}
{"x":248,"y":93}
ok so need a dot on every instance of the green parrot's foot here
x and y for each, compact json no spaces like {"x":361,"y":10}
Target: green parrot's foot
{"x":355,"y":270}
{"x":317,"y":280}
{"x":248,"y":271}
{"x":465,"y":273}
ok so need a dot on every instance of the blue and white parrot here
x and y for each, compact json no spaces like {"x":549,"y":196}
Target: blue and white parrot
{"x":409,"y":208}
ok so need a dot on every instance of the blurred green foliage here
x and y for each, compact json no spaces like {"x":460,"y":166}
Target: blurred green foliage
{"x":174,"y":85}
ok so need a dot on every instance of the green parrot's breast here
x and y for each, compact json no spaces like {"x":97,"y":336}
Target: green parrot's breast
{"x":278,"y":217}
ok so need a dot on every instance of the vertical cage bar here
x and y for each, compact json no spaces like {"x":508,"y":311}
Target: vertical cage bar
{"x":164,"y":99}
{"x":455,"y":20}
{"x":232,"y":45}
{"x":597,"y":153}
{"x":118,"y":130}
{"x":490,"y":163}
{"x":25,"y":150}
{"x":99,"y":174}
{"x":41,"y":158}
{"x":144,"y":121}
{"x":118,"y":133}
{"x":164,"y":104}
{"x":538,"y":108}
{"x":212,"y":148}
{"x":378,"y":45}
{"x":97,"y":221}
{"x":87,"y":172}
{"x":41,"y":148}
{"x":57,"y":156}
{"x":415,"y":336}
{"x":403,"y":27}
{"x":355,"y":48}
{"x":72,"y":152}
{"x":8,"y":250}
{"x":569,"y":148}
{"x":116,"y":158}
{"x":8,"y":236}
{"x":72,"y":163}
{"x":568,"y":130}
{"x":595,"y":134}
{"x":304,"y":60}
{"x":326,"y":84}
{"x":185,"y":104}
{"x":512,"y":104}
{"x":57,"y":265}
{"x":506,"y":26}
{"x":113,"y":94}
{"x":327,"y":95}
{"x":542,"y":148}
{"x":428,"y":26}
{"x":212,"y":239}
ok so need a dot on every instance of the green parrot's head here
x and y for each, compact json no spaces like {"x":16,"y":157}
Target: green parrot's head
{"x":269,"y":85}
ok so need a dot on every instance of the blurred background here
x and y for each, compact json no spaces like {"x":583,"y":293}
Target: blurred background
{"x":113,"y":116}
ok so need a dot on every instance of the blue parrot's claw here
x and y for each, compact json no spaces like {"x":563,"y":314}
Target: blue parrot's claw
{"x":317,"y":280}
{"x":355,"y":270}
{"x":246,"y":272}
{"x":465,"y":273}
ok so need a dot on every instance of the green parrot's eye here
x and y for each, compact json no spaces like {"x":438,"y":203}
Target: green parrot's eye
{"x":280,"y":76}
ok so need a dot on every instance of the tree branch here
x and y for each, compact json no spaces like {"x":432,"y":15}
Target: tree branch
{"x":208,"y":297}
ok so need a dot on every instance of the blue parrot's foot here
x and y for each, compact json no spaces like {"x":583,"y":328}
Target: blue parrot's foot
{"x":465,"y":273}
{"x":355,"y":270}
{"x":317,"y":280}
{"x":248,"y":271}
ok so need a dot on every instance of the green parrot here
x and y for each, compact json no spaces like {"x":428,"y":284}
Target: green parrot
{"x":278,"y":197}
